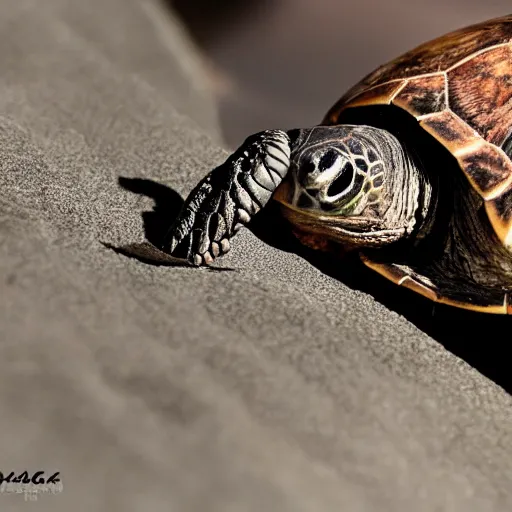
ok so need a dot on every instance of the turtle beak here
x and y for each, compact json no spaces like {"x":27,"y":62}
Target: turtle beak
{"x":349,"y":231}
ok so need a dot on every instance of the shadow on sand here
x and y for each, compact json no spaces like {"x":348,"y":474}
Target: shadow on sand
{"x":479,"y":339}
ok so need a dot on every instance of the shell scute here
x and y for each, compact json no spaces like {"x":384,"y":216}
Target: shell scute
{"x":423,"y":95}
{"x":459,"y":88}
{"x":439,"y":54}
{"x":480,"y":93}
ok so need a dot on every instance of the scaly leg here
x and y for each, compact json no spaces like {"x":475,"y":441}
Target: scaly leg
{"x":228,"y":197}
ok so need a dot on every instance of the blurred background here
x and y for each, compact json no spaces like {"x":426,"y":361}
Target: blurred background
{"x":282,"y":63}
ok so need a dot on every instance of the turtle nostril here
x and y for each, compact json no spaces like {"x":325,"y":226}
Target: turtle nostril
{"x":305,"y":170}
{"x":308,"y":167}
{"x":328,"y":160}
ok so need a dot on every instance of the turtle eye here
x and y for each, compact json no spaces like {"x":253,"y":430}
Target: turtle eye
{"x":343,"y":181}
{"x":328,"y":160}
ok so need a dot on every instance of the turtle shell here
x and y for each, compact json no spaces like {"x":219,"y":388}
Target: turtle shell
{"x":459,"y":88}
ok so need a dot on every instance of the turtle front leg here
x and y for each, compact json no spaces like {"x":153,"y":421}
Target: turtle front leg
{"x":228,"y":197}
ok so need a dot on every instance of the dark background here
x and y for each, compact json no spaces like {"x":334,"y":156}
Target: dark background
{"x":282,"y":63}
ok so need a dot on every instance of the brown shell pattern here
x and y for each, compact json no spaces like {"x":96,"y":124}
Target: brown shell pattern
{"x":459,"y":87}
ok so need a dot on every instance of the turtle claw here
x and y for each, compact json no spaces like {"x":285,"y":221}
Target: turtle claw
{"x":197,"y":246}
{"x":211,"y":253}
{"x":228,"y":197}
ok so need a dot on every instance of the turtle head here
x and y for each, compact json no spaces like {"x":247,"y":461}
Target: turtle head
{"x":354,"y":185}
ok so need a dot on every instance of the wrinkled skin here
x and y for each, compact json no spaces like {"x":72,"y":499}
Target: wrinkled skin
{"x":351,"y":184}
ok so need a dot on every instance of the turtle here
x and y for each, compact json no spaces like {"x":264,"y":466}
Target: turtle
{"x":411,"y":168}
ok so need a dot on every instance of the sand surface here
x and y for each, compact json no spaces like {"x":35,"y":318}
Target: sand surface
{"x":269,"y":387}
